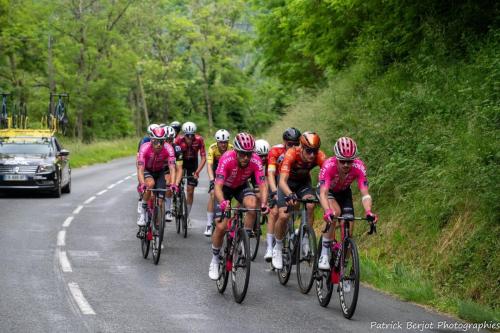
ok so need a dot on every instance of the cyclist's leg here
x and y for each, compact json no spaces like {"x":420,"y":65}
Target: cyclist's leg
{"x":247,"y":197}
{"x":344,"y":199}
{"x":306,"y":191}
{"x":190,"y":166}
{"x":218,"y":237}
{"x":168,"y":195}
{"x":210,"y":212}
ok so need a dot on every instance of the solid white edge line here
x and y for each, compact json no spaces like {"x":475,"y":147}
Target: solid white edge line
{"x":119,"y":182}
{"x":111,"y":186}
{"x":127,"y":178}
{"x":68,"y":221}
{"x":78,"y":209}
{"x":64,"y":262}
{"x":61,"y":238}
{"x":80,"y":299}
{"x":102,"y":192}
{"x":89,"y":200}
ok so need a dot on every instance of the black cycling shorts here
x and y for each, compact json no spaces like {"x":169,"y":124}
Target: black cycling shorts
{"x":238,"y":193}
{"x":301,"y":189}
{"x":191,"y":166}
{"x":343,"y":198}
{"x":159,"y":178}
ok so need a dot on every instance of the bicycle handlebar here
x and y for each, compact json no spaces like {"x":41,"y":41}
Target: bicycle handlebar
{"x":373,"y":227}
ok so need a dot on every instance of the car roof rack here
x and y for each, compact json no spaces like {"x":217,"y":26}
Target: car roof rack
{"x":18,"y":132}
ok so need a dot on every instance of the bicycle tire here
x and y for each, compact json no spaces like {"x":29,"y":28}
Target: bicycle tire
{"x":184,"y":214}
{"x":254,"y":239}
{"x":305,"y":262}
{"x":241,"y":260}
{"x":145,"y":244}
{"x":178,"y":209}
{"x":158,"y":231}
{"x":286,"y":271}
{"x":324,"y":285}
{"x":348,"y":308}
{"x":223,"y":272}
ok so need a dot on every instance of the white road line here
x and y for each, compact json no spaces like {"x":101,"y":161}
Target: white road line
{"x":80,"y":299}
{"x":128,"y":177}
{"x":134,"y":174}
{"x":67,"y":222}
{"x":77,"y":210}
{"x":119,"y":182}
{"x":89,"y":200}
{"x":64,"y":262}
{"x":61,"y":238}
{"x":102,"y":192}
{"x":111,"y":186}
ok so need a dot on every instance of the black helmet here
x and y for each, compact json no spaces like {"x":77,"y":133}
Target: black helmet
{"x":291,"y":134}
{"x":176,"y":125}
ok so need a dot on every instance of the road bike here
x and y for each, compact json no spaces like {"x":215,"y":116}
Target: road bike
{"x":4,"y":115}
{"x":179,"y":208}
{"x":299,"y":248}
{"x":152,"y":233}
{"x":58,"y":118}
{"x":344,"y":268}
{"x":234,"y":257}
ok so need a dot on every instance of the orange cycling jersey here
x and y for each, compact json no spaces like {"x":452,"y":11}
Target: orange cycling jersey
{"x":298,"y":169}
{"x":275,"y":158}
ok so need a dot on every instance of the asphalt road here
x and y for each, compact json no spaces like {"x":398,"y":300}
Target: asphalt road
{"x":74,"y":265}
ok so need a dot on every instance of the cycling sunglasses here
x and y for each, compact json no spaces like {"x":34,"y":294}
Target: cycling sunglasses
{"x":311,"y":150}
{"x":156,"y":142}
{"x":345,"y":161}
{"x":190,"y":136}
{"x":290,"y":144}
{"x":245,"y":154}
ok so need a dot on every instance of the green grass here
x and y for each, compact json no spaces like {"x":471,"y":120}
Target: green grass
{"x":99,"y":151}
{"x":428,"y":131}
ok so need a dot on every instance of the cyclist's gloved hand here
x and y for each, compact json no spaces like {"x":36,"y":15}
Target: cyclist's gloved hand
{"x":174,"y":188}
{"x":264,"y":209}
{"x":142,"y":188}
{"x":329,"y":215}
{"x":291,"y":199}
{"x":225,"y":205}
{"x":211,"y":186}
{"x":371,"y":217}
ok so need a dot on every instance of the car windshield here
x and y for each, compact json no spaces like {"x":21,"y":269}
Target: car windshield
{"x":27,"y":147}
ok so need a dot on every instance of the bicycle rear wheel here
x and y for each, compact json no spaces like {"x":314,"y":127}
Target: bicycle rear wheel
{"x":240,"y":273}
{"x":349,"y":278}
{"x":284,"y":273}
{"x":184,"y":214}
{"x":306,"y":259}
{"x":158,"y":230}
{"x":177,"y":204}
{"x":223,"y":272}
{"x":145,"y":243}
{"x":324,"y":284}
{"x":254,"y":237}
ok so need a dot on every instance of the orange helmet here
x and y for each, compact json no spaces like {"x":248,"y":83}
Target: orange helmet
{"x":310,"y":140}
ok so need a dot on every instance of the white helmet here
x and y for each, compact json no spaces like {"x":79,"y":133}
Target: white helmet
{"x":151,"y":128}
{"x":189,"y":128}
{"x":261,"y":147}
{"x":222,"y":135}
{"x":170,"y":132}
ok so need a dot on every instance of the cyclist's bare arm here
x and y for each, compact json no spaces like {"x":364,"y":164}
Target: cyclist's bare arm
{"x":263,"y":192}
{"x":210,"y":171}
{"x":323,"y":198}
{"x":366,"y":199}
{"x":178,"y":172}
{"x":271,"y":178}
{"x":172,"y":168}
{"x":219,"y":195}
{"x":284,"y":184}
{"x":140,"y":175}
{"x":202,"y":164}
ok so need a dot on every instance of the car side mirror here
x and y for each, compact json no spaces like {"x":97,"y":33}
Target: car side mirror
{"x":63,"y":152}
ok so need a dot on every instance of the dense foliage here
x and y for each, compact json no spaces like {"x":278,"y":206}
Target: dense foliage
{"x":126,"y":63}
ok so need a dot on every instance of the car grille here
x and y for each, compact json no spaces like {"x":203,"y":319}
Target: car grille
{"x":18,"y":168}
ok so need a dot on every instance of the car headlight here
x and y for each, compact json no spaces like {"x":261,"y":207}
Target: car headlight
{"x":46,"y":168}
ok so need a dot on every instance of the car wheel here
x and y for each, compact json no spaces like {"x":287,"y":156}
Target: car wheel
{"x":67,"y":188}
{"x":56,"y":192}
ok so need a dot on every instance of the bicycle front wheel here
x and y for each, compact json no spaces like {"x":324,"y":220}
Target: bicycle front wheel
{"x":223,"y":266}
{"x":240,"y":272}
{"x":184,"y":214}
{"x":306,"y":256}
{"x":349,"y":278}
{"x":177,"y":204}
{"x":158,"y":230}
{"x":145,"y":243}
{"x":285,"y":272}
{"x":254,"y":237}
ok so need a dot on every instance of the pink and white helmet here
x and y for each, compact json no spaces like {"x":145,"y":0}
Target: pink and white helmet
{"x":345,"y":149}
{"x":158,"y":133}
{"x":244,"y":142}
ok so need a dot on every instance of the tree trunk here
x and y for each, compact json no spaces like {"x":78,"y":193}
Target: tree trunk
{"x":206,"y":92}
{"x":50,"y":73}
{"x":142,"y":98}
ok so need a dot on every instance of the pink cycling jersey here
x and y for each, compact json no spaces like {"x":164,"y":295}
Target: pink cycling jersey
{"x":231,"y":175}
{"x":190,"y":152}
{"x":152,"y":161}
{"x":329,"y":175}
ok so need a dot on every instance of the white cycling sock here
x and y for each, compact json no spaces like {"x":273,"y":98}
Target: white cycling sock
{"x":215,"y":253}
{"x":189,"y":208}
{"x":326,"y":245}
{"x":210,"y":218}
{"x":168,"y":203}
{"x":270,"y":240}
{"x":139,"y":207}
{"x":279,"y":244}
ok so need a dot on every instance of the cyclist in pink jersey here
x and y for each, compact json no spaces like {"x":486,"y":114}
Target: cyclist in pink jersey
{"x":153,"y":158}
{"x":191,"y":145}
{"x":335,"y":178}
{"x":231,"y":181}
